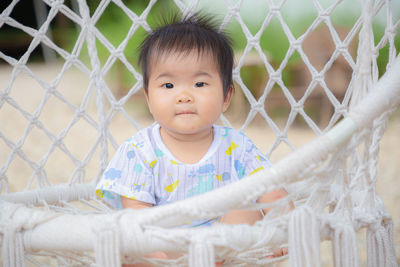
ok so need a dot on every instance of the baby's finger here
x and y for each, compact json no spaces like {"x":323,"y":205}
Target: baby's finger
{"x":285,"y":251}
{"x":219,"y":263}
{"x":280,"y":252}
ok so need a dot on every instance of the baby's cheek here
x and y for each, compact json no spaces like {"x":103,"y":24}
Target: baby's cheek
{"x":213,"y":112}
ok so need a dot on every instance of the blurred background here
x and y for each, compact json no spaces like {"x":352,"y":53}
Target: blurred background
{"x":114,"y":24}
{"x":77,"y":157}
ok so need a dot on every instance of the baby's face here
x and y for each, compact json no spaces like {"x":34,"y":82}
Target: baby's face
{"x":185,"y":92}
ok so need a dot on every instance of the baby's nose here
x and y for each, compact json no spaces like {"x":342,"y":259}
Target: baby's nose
{"x":184,"y":98}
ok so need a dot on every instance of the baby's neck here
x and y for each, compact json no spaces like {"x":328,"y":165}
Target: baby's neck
{"x":186,"y":148}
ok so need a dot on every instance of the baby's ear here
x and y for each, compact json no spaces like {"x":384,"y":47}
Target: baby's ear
{"x":228,"y":98}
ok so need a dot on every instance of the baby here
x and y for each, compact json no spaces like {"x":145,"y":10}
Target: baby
{"x":187,"y":76}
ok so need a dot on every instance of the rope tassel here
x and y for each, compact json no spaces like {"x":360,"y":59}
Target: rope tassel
{"x":379,"y":247}
{"x":391,"y":246}
{"x":345,"y":246}
{"x":201,"y":254}
{"x":13,"y":249}
{"x":106,"y":248}
{"x":304,"y":238}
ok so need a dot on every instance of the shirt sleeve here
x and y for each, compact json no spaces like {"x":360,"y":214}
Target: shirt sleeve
{"x":253,"y":159}
{"x":128,"y":175}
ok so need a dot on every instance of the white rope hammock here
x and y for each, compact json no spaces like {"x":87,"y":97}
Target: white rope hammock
{"x":331,"y":180}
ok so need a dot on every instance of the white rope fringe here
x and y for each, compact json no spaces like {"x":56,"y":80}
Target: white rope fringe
{"x":379,"y":247}
{"x":304,"y":239}
{"x":14,"y":220}
{"x":345,"y":245}
{"x":107,"y":244}
{"x":13,"y":249}
{"x":201,"y":253}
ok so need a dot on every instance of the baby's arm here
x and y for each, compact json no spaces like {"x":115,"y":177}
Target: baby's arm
{"x":134,"y":204}
{"x":242,"y":217}
{"x":273,"y":196}
{"x":252,"y":216}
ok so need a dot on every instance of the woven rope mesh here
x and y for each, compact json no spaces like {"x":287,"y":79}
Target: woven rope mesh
{"x":62,"y":121}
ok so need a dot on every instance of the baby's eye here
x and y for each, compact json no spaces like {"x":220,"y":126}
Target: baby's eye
{"x":168,"y":85}
{"x":200,"y":84}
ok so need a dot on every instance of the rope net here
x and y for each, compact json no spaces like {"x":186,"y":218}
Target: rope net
{"x":51,"y":215}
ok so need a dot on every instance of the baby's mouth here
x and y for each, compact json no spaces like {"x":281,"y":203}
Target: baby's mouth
{"x":185,"y":112}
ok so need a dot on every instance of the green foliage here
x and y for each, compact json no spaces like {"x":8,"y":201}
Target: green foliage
{"x":114,"y":24}
{"x":383,"y":57}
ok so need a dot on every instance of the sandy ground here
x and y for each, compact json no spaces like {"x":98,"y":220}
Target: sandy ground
{"x":56,"y":115}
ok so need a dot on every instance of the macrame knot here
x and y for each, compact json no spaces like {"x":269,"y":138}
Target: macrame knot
{"x":298,"y":106}
{"x":258,"y":106}
{"x":342,"y":48}
{"x":319,"y":77}
{"x":275,"y":76}
{"x":201,"y":252}
{"x":136,"y":242}
{"x":52,"y":89}
{"x":304,"y":238}
{"x":81,"y":112}
{"x":274,"y":10}
{"x":41,"y":33}
{"x":118,"y":53}
{"x":35,"y":120}
{"x":106,"y":242}
{"x":253,"y":41}
{"x":139,"y":21}
{"x":58,"y":141}
{"x":234,"y":10}
{"x":324,"y":15}
{"x":341,"y":109}
{"x":117,"y":106}
{"x":239,"y":237}
{"x":297,"y":44}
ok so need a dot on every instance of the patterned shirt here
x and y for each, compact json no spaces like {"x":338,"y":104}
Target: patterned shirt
{"x":144,"y":169}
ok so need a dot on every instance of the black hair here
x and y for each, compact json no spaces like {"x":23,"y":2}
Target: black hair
{"x":195,"y":32}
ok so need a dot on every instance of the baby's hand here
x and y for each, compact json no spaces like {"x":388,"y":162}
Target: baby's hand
{"x":273,"y":196}
{"x":278,"y":253}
